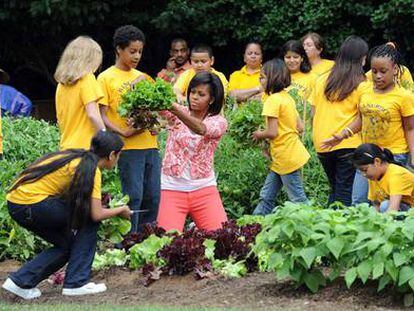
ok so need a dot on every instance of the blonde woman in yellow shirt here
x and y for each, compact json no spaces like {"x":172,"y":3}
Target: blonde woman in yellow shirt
{"x":58,"y":197}
{"x":314,"y":45}
{"x":283,"y":125}
{"x":78,"y":93}
{"x":335,"y":99}
{"x":391,"y":186}
{"x":139,"y":163}
{"x":245,"y":83}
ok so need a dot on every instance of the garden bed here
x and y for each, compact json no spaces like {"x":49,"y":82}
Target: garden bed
{"x":255,"y":291}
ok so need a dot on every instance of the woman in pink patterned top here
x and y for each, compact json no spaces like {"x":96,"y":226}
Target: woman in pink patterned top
{"x":188,"y":182}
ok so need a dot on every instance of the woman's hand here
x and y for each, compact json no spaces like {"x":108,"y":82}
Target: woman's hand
{"x":332,"y":142}
{"x":126,"y":212}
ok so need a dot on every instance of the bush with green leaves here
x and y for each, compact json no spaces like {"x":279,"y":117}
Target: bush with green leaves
{"x":357,"y":242}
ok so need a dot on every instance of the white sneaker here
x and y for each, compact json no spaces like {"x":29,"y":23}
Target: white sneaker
{"x":29,"y":293}
{"x":90,"y":288}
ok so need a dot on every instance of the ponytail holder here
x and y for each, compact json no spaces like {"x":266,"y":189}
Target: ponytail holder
{"x":391,"y":44}
{"x":102,"y":130}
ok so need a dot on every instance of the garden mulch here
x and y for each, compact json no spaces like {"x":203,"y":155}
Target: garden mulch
{"x":253,"y":292}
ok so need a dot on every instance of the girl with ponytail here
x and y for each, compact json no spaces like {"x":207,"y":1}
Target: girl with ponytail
{"x":58,"y":197}
{"x":391,"y":186}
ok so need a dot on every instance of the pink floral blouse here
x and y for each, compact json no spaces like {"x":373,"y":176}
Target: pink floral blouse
{"x":185,"y":147}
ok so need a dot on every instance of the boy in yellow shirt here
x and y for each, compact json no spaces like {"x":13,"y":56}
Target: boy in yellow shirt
{"x":202,"y":59}
{"x":139,"y":163}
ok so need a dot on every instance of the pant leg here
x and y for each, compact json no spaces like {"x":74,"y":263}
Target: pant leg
{"x":173,"y":210}
{"x":294,"y":186}
{"x":206,"y":208}
{"x":268,"y":194}
{"x":328,"y":160}
{"x":131,"y":166}
{"x":151,"y":188}
{"x":345,"y":175}
{"x":49,"y":220}
{"x":81,"y":256}
{"x":359,"y":189}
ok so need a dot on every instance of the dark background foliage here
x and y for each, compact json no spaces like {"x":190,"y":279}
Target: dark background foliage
{"x":34,"y":33}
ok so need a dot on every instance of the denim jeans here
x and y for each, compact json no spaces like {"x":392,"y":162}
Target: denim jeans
{"x":360,"y":187}
{"x":386,"y":204}
{"x":49,"y":219}
{"x":140,"y":172}
{"x":340,"y":172}
{"x":273,"y":184}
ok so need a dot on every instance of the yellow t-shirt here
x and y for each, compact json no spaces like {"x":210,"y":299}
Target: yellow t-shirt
{"x":397,"y":180}
{"x":406,"y":77}
{"x":332,"y":117}
{"x":242,"y":79}
{"x":322,"y":67}
{"x":114,"y":82}
{"x":287,"y":151}
{"x":1,"y":137}
{"x":184,"y":80}
{"x":382,"y":115}
{"x":53,"y":184}
{"x":76,"y":130}
{"x":304,"y":82}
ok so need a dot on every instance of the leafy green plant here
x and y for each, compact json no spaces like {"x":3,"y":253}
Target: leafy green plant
{"x":110,"y":258}
{"x":146,"y":251}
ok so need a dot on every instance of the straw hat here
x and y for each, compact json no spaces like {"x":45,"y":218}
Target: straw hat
{"x":4,"y":76}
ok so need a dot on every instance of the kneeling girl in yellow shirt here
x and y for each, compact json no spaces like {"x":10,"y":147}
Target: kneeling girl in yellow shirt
{"x":391,"y":186}
{"x":283,"y":125}
{"x":58,"y":198}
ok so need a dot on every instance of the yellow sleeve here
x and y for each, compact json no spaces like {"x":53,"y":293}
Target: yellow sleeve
{"x":90,"y":90}
{"x":234,"y":81}
{"x":97,"y":184}
{"x":271,"y":107}
{"x":399,"y":185}
{"x":407,"y":106}
{"x":371,"y":191}
{"x":182,"y":82}
{"x":406,"y":75}
{"x":225,"y":84}
{"x":105,"y":100}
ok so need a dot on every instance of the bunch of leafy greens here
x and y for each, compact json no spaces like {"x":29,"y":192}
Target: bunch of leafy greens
{"x":145,"y":97}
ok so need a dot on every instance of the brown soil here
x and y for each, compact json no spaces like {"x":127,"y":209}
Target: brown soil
{"x":255,"y":291}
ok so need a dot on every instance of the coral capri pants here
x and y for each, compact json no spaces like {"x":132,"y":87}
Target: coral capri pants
{"x":203,"y":205}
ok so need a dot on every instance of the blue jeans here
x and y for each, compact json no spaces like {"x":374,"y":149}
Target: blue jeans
{"x":49,"y":219}
{"x":273,"y":184}
{"x":140,"y":172}
{"x":340,"y":173}
{"x":360,"y":187}
{"x":386,"y":204}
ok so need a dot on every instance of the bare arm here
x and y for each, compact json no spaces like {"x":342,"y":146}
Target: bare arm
{"x":395,"y":201}
{"x":270,"y":132}
{"x":99,"y":213}
{"x":245,"y":94}
{"x":354,"y":126}
{"x":408,"y":124}
{"x":300,"y":125}
{"x":94,"y":116}
{"x":126,"y":133}
{"x":193,"y":123}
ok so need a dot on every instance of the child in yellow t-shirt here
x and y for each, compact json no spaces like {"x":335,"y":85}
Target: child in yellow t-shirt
{"x":288,"y":154}
{"x":244,"y":84}
{"x":139,"y":163}
{"x":302,"y":79}
{"x":78,"y":92}
{"x":202,"y":59}
{"x":58,"y":198}
{"x":391,"y":186}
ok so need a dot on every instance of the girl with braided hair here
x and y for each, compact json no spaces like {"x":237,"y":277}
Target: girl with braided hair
{"x":386,"y":115}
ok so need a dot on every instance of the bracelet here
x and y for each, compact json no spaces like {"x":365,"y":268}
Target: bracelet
{"x":350,"y":131}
